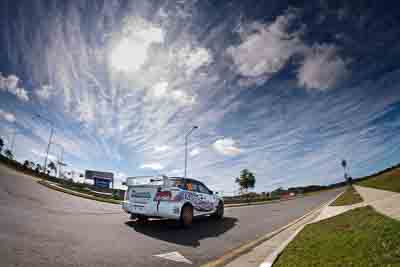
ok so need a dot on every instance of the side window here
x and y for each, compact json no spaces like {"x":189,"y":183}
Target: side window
{"x":203,"y":189}
{"x":189,"y":186}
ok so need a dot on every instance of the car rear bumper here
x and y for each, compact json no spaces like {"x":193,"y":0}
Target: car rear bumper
{"x":164,"y":209}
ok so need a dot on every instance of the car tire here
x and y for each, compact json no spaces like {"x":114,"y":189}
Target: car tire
{"x":219,"y":213}
{"x":142,"y":219}
{"x":186,"y":216}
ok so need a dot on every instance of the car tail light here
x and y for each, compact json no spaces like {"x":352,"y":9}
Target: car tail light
{"x":163,"y":196}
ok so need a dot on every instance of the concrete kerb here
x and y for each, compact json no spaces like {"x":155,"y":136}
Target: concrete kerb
{"x":269,"y":261}
{"x":235,"y":253}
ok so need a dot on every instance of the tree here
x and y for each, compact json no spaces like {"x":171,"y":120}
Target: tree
{"x":38,"y":168}
{"x":52,"y":167}
{"x":246,"y":180}
{"x":1,"y":144}
{"x":26,"y":164}
{"x":9,"y":154}
{"x":346,"y":176}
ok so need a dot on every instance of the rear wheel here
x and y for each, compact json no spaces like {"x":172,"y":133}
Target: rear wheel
{"x":142,"y":219}
{"x":187,"y":216}
{"x":219,"y":213}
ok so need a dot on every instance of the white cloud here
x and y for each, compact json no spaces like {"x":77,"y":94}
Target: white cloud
{"x":227,"y":146}
{"x":21,"y":94}
{"x":10,"y":84}
{"x":161,"y":148}
{"x":267,"y":48}
{"x":7,"y":116}
{"x":162,"y":90}
{"x":183,"y":97}
{"x":322,"y":68}
{"x":152,"y":166}
{"x":197,"y":58}
{"x":194,"y":152}
{"x":44,"y":92}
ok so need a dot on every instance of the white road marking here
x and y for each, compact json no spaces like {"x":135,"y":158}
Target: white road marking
{"x":174,"y":256}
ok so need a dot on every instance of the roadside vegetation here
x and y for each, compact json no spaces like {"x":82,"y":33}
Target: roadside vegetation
{"x":360,"y":237}
{"x":386,"y":181}
{"x":349,"y":197}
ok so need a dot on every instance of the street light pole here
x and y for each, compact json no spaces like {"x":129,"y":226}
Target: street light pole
{"x":48,"y":148}
{"x":13,"y":137}
{"x":50,"y":139}
{"x":186,"y":143}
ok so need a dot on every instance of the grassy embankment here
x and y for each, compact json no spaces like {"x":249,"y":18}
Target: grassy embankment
{"x":360,"y":237}
{"x":386,"y":181}
{"x":349,"y":197}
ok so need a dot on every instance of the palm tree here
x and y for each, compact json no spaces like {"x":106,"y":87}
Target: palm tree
{"x":38,"y":168}
{"x":9,"y":154}
{"x":26,"y":164}
{"x":1,"y":144}
{"x":344,"y":165}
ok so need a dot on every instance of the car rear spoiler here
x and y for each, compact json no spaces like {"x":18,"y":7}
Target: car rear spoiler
{"x":146,"y":181}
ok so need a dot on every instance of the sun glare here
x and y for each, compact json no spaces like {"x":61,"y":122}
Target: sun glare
{"x":131,"y":52}
{"x":129,"y":55}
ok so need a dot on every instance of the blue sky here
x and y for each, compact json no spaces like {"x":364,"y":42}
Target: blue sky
{"x":285,"y":88}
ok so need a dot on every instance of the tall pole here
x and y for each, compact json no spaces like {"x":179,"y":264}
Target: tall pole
{"x":50,"y":139}
{"x":60,"y":161}
{"x":48,"y":148}
{"x":186,"y":144}
{"x":13,"y":137}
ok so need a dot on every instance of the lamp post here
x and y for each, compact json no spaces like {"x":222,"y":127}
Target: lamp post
{"x":12,"y":141}
{"x":60,"y":161}
{"x":186,"y":144}
{"x":50,"y":139}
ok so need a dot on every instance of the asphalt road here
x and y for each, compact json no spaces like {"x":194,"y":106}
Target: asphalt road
{"x":42,"y":227}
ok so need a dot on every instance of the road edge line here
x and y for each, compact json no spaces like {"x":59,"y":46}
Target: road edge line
{"x":243,"y":249}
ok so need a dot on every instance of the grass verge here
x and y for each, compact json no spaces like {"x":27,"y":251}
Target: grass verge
{"x":386,"y":181}
{"x":360,"y":237}
{"x":349,"y":197}
{"x":78,"y":194}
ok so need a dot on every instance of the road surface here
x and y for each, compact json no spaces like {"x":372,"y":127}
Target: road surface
{"x":42,"y":227}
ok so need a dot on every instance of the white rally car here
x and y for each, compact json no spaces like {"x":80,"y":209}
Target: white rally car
{"x":170,"y":197}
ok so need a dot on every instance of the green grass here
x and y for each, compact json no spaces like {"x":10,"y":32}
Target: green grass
{"x":349,"y":197}
{"x":360,"y":237}
{"x":387,"y":181}
{"x":79,"y":194}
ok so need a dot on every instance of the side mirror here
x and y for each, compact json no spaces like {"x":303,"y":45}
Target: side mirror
{"x":123,"y":183}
